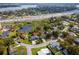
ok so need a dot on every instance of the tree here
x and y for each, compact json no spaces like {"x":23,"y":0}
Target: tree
{"x":56,"y":33}
{"x":70,"y":39}
{"x":64,"y":34}
{"x":7,"y":43}
{"x":52,"y":19}
{"x":47,"y":27}
{"x":1,"y":47}
{"x":71,"y":24}
{"x":64,"y":44}
{"x":73,"y":50}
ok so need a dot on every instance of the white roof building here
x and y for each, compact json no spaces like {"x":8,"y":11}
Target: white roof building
{"x":77,"y":40}
{"x":33,"y":42}
{"x":65,"y":23}
{"x":75,"y":26}
{"x":44,"y":51}
{"x":72,"y":34}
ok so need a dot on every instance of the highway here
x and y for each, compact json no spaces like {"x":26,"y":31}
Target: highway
{"x":39,"y":17}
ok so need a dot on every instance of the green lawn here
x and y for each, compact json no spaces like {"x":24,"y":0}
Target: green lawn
{"x":11,"y":34}
{"x":5,"y":51}
{"x":53,"y":50}
{"x":21,"y":50}
{"x":25,"y":41}
{"x":35,"y":50}
{"x":14,"y":44}
{"x":25,"y":23}
{"x":1,"y":32}
{"x":59,"y":53}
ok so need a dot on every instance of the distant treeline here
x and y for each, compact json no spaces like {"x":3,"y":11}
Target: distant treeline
{"x":5,"y":6}
{"x":38,"y":10}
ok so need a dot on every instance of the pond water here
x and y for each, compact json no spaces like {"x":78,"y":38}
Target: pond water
{"x":25,"y":29}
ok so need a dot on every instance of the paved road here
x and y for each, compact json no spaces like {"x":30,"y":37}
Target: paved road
{"x":29,"y":47}
{"x":31,"y":18}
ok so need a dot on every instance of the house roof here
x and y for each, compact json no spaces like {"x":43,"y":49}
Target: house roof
{"x":77,"y":40}
{"x":55,"y":44}
{"x":35,"y":37}
{"x":65,"y":23}
{"x":4,"y":34}
{"x":72,"y":34}
{"x":44,"y":51}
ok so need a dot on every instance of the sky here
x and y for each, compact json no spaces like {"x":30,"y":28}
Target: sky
{"x":39,"y":1}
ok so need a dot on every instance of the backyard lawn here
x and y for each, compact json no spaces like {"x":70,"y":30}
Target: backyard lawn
{"x":1,"y":32}
{"x":5,"y":51}
{"x":21,"y":50}
{"x":14,"y":44}
{"x":25,"y":41}
{"x":35,"y":50}
{"x":11,"y":34}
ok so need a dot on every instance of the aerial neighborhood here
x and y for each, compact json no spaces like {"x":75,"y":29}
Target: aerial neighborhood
{"x":56,"y":35}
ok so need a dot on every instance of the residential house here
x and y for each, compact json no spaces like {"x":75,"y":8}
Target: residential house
{"x":65,"y":23}
{"x":56,"y":45}
{"x":72,"y":34}
{"x":44,"y":51}
{"x":76,"y":40}
{"x":74,"y":29}
{"x":5,"y":34}
{"x":65,"y":52}
{"x":34,"y":38}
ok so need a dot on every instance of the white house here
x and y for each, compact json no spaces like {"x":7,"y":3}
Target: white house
{"x":34,"y":42}
{"x":65,"y":23}
{"x":44,"y":51}
{"x":76,"y":40}
{"x":72,"y":34}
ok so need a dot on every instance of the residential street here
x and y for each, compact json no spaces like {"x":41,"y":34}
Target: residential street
{"x":29,"y":47}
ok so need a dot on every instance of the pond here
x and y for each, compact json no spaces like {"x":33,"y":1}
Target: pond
{"x":25,"y":29}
